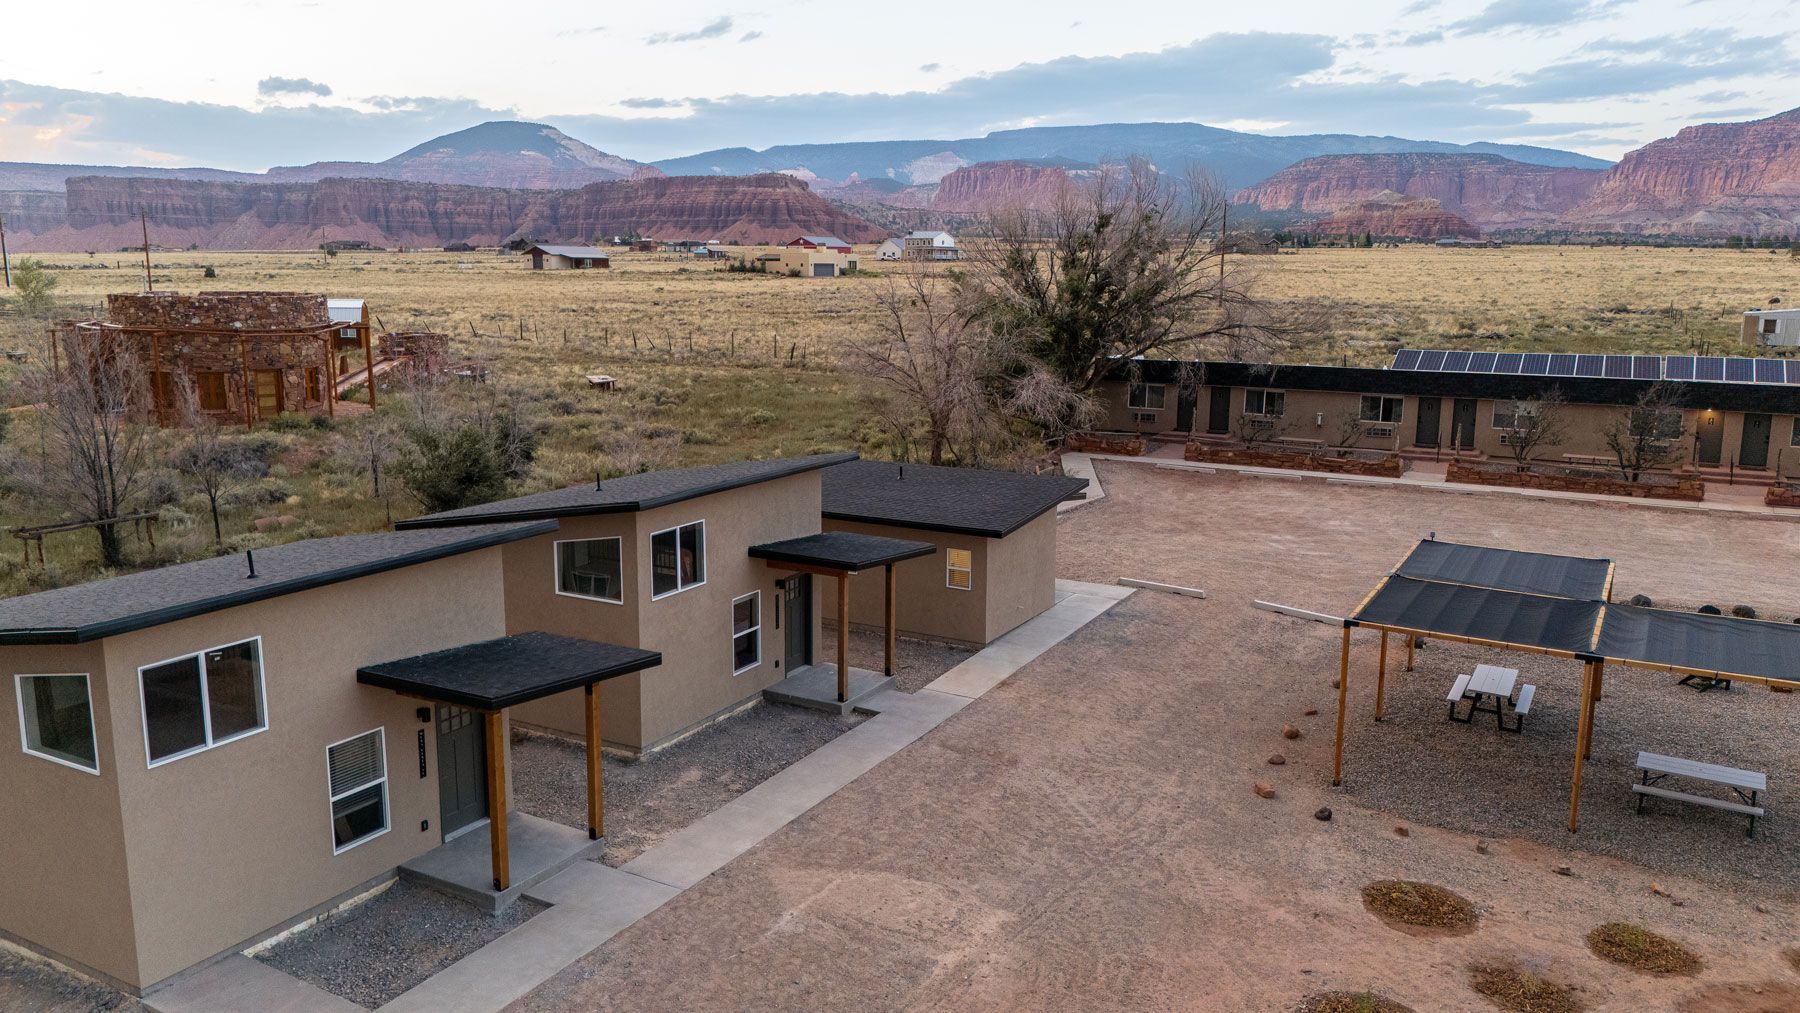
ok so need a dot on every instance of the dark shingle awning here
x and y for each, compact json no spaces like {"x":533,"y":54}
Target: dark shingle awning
{"x":841,"y":551}
{"x":493,"y":674}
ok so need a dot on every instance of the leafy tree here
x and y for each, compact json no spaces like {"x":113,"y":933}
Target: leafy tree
{"x":453,"y":467}
{"x":32,"y":285}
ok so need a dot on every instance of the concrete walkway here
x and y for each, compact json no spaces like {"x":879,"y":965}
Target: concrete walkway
{"x":1729,"y":499}
{"x":593,"y":902}
{"x":238,"y":982}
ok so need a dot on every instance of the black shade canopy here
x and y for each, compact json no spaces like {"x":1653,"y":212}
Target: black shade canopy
{"x":1505,"y":617}
{"x":843,"y":551}
{"x":1509,"y":570}
{"x":511,"y":670}
{"x":1720,"y":644}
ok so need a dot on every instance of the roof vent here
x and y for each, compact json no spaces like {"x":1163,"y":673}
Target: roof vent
{"x":596,"y":481}
{"x":250,"y":558}
{"x":902,"y":471}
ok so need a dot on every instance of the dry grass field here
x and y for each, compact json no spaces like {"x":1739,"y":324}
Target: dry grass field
{"x":716,"y":365}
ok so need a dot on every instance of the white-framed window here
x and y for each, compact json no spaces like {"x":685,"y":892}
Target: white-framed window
{"x":746,"y":632}
{"x":56,"y":719}
{"x":1375,"y":408}
{"x":590,"y":568}
{"x":1268,"y":404}
{"x":1512,"y":414}
{"x":959,"y":569}
{"x":202,"y":700}
{"x":1148,"y":396}
{"x":356,"y":772}
{"x":677,"y":559}
{"x":1794,"y":440}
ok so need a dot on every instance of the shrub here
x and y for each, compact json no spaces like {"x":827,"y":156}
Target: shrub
{"x":209,"y":272}
{"x":453,"y":468}
{"x":254,"y":494}
{"x":1511,"y":987}
{"x":290,"y":422}
{"x":1420,"y":905}
{"x":1639,"y":948}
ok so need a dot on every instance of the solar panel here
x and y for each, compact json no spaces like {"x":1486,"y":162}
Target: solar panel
{"x":1431,"y":362}
{"x":1456,"y":362}
{"x":1618,"y":367}
{"x":1481,"y":362}
{"x":1646,"y":367}
{"x":1740,"y":370}
{"x":1793,"y":371}
{"x":1508,"y":362}
{"x":1709,"y":367}
{"x":1679,"y":367}
{"x":1535,"y":364}
{"x":1770,"y":370}
{"x":1589,"y":365}
{"x":1406,"y":358}
{"x":1561,"y":364}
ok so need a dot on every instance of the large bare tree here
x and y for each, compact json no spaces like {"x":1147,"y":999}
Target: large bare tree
{"x":96,"y":434}
{"x":1129,"y":263}
{"x":1647,"y":435}
{"x":206,"y":455}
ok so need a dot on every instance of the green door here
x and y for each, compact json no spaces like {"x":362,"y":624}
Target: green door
{"x":462,"y":768}
{"x":1754,"y":453}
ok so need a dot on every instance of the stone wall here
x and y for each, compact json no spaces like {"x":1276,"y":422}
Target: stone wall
{"x":238,"y":311}
{"x":430,"y":350}
{"x":1782,"y":496}
{"x":1105,"y":443}
{"x":1388,"y":465}
{"x":1690,"y":489}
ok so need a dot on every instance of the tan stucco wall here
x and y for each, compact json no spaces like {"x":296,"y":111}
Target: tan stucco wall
{"x":225,"y":844}
{"x":691,"y":628}
{"x":1021,"y":575}
{"x":925,"y":605}
{"x":63,"y":884}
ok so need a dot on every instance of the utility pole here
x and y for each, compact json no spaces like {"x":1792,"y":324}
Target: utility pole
{"x":5,"y":264}
{"x":144,"y":219}
{"x":1224,"y":221}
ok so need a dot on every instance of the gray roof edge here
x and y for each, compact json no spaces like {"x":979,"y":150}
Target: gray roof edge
{"x":982,"y":531}
{"x":264,"y":592}
{"x":627,"y":506}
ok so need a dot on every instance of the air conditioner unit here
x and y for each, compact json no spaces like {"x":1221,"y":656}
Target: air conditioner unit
{"x":1143,"y":417}
{"x":1381,"y":432}
{"x":1508,"y":440}
{"x":1259,"y":423}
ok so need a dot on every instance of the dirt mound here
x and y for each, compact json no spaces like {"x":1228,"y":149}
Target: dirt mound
{"x":1511,"y":987}
{"x":1420,"y":908}
{"x":1641,"y":949}
{"x":1350,"y":1002}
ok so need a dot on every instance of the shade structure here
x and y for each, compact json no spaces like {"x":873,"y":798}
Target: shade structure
{"x":495,"y":674}
{"x":1509,"y":570}
{"x":842,"y":551}
{"x":1503,"y":618}
{"x":1722,"y":646}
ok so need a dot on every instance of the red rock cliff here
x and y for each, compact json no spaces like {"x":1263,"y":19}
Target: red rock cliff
{"x":1487,"y":190}
{"x":1393,"y":216}
{"x":999,"y":186}
{"x":102,"y":213}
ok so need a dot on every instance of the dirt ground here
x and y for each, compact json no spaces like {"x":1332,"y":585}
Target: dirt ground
{"x":32,"y":987}
{"x":1086,"y":835}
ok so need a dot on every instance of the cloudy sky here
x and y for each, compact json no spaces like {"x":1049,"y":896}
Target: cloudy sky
{"x":245,"y":84}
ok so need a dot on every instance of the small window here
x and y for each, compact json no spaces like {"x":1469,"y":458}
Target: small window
{"x":1147,"y":395}
{"x":959,"y":569}
{"x":1794,"y":440}
{"x":1768,"y":326}
{"x":746,"y":632}
{"x":210,"y":389}
{"x":589,"y":568}
{"x":1271,"y":404}
{"x":677,"y":559}
{"x":1381,"y":409}
{"x":56,"y":720}
{"x":202,"y":700}
{"x":314,"y":389}
{"x":1512,"y":414}
{"x":357,"y":772}
{"x":348,"y":333}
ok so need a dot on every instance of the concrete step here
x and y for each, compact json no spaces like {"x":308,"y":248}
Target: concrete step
{"x":1742,"y":476}
{"x":815,"y":686}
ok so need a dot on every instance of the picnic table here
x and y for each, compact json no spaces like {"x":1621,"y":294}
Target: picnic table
{"x":1496,"y":684}
{"x":1745,"y":784}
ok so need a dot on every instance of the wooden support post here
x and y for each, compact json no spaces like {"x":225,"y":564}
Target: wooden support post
{"x":156,"y":405}
{"x":249,"y":385}
{"x":496,"y":775}
{"x":1337,"y":756}
{"x":596,"y":786}
{"x":328,"y":382}
{"x":1593,"y":701}
{"x":1582,"y":730}
{"x":1381,"y":676}
{"x":1410,"y":639}
{"x":368,"y":360}
{"x":1600,"y":681}
{"x":843,"y":624}
{"x":889,"y":656}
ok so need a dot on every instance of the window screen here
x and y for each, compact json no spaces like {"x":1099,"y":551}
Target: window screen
{"x":358,"y":773}
{"x":56,"y":717}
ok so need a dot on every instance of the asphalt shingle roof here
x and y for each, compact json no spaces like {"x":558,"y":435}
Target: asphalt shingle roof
{"x":136,"y":601}
{"x":630,"y":493}
{"x":966,"y":501}
{"x":575,"y":252}
{"x":842,"y":550}
{"x":492,"y":674}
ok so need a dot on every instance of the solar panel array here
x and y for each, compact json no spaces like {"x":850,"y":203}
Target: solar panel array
{"x":1707,"y":368}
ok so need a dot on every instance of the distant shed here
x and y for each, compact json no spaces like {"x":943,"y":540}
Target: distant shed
{"x":567,"y":258}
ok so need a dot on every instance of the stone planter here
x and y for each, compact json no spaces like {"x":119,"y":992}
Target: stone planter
{"x":1782,"y":496}
{"x":1387,"y":466}
{"x":1126,"y":444}
{"x":1689,"y":489}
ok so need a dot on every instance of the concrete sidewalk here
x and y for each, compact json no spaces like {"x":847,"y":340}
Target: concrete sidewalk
{"x":592,"y":903}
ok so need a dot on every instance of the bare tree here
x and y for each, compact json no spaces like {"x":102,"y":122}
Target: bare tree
{"x":926,"y":371}
{"x":1127,"y":265}
{"x":95,"y":433}
{"x":1645,"y":436}
{"x":631,"y":451}
{"x":374,"y":448}
{"x":1258,"y":429}
{"x":205,"y":455}
{"x":1533,"y":423}
{"x":1349,"y":429}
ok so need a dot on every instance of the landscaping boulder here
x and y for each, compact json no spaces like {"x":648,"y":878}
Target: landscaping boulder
{"x":1263,"y":790}
{"x":1743,"y":611}
{"x":1277,"y":760}
{"x":1323,"y":815}
{"x":1289,"y":732}
{"x":1710,"y":610}
{"x":1642,"y":601}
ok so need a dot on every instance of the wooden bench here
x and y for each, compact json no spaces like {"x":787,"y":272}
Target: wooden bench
{"x":1745,"y":784}
{"x":1596,"y":460}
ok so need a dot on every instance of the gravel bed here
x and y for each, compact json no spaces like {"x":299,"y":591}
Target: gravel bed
{"x":1474,"y":778}
{"x":917,"y":662}
{"x":377,"y":950}
{"x":41,"y":988}
{"x":651,"y":798}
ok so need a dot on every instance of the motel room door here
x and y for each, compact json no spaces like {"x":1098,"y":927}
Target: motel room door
{"x":1709,"y":438}
{"x":796,"y":613}
{"x":1425,"y":431}
{"x":1218,"y":410}
{"x":1184,"y":409}
{"x":268,"y":394}
{"x":1462,"y":420}
{"x":462,"y":769}
{"x":1754,"y":453}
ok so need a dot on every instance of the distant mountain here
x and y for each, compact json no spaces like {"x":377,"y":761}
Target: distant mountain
{"x":1489,"y":191}
{"x":1239,"y":158}
{"x":502,"y":153}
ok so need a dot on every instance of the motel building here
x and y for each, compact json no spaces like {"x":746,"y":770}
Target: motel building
{"x":209,"y":755}
{"x":1738,"y":413}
